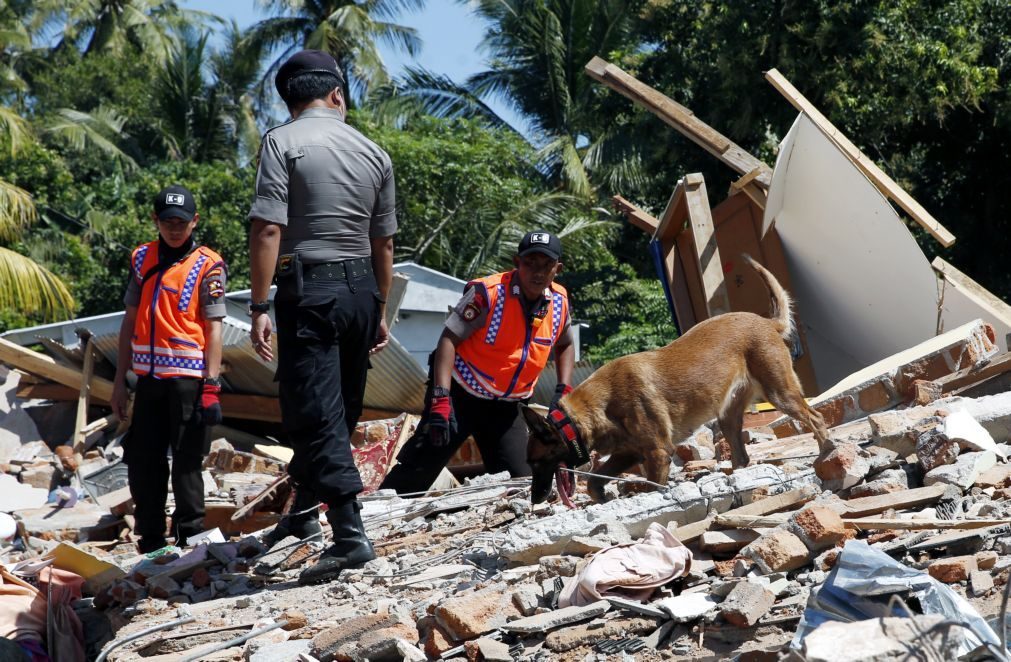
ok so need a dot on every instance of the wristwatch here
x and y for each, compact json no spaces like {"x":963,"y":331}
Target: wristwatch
{"x":261,"y":307}
{"x":212,"y":381}
{"x":440,"y":392}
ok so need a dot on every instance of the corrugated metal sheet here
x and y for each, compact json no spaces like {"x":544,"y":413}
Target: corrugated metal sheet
{"x":396,"y":382}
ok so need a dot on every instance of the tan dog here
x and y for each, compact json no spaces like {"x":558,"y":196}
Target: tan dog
{"x":636,"y":408}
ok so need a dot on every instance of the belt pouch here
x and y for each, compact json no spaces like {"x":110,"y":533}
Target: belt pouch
{"x":289,"y":276}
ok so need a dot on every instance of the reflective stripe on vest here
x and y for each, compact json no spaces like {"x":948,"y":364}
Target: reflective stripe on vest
{"x":168,"y":335}
{"x":506,"y":357}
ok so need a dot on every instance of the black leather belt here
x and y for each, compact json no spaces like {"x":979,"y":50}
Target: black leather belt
{"x":348,"y":270}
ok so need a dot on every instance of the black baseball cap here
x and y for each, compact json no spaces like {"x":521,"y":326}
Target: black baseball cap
{"x":175,"y":202}
{"x":540,"y":241}
{"x":306,"y":62}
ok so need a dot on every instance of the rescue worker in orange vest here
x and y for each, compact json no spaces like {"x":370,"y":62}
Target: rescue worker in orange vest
{"x":171,"y":339}
{"x":496,"y":342}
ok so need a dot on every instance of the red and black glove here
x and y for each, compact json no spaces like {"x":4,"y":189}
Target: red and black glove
{"x":440,"y":413}
{"x":560,"y":390}
{"x":210,"y":404}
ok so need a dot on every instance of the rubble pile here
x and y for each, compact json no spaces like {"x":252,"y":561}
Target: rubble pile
{"x":903,"y":530}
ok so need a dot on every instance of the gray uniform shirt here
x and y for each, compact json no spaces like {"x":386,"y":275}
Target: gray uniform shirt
{"x":329,"y":186}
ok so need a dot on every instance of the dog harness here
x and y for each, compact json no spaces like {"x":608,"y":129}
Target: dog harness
{"x":506,"y":357}
{"x":578,"y":452}
{"x":168,"y":336}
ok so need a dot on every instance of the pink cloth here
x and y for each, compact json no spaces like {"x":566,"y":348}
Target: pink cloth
{"x":23,"y":612}
{"x":632,"y":570}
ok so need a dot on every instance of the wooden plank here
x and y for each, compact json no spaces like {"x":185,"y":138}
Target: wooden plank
{"x":83,"y":397}
{"x":873,"y":505}
{"x":979,"y":295}
{"x":957,"y":537}
{"x":690,"y":532}
{"x":680,"y":118}
{"x":707,"y":253}
{"x":883,"y":182}
{"x":744,"y":181}
{"x":973,"y":375}
{"x":17,"y":356}
{"x":636,"y":216}
{"x":868,"y":523}
{"x":731,"y":521}
{"x":46,"y":391}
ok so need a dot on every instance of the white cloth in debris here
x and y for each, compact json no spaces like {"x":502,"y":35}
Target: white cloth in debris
{"x":632,"y":570}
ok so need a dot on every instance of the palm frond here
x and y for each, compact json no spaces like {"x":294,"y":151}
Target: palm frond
{"x":99,"y":129}
{"x":17,"y":211}
{"x":31,"y":288}
{"x":421,"y":92}
{"x":14,"y":130}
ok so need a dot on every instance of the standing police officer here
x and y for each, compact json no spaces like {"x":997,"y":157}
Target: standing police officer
{"x":323,"y":219}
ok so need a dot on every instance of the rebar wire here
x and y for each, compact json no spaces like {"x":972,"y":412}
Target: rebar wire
{"x":233,"y":642}
{"x":634,"y":479}
{"x":188,"y":618}
{"x":1003,"y":616}
{"x":921,"y":635}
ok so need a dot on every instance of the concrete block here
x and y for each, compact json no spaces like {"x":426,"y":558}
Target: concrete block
{"x":328,"y":642}
{"x":998,"y":476}
{"x":747,"y":603}
{"x":557,"y":618}
{"x":526,"y":599}
{"x":489,"y":650}
{"x":986,"y":560}
{"x":777,"y":551}
{"x":886,"y":482}
{"x":964,"y":472}
{"x":980,"y":582}
{"x":881,"y":639}
{"x":687,"y":607}
{"x":961,"y":427}
{"x":727,"y":542}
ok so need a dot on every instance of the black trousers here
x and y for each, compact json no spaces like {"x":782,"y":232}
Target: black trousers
{"x":166,"y":416}
{"x":323,"y":342}
{"x":497,"y":427}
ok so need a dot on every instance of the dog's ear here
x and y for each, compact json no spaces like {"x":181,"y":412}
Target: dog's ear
{"x":537,"y":424}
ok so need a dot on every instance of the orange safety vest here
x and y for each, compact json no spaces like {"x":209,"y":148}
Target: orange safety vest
{"x":168,"y":335}
{"x":505,"y":357}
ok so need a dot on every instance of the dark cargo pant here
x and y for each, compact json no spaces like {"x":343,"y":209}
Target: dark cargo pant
{"x":166,"y":416}
{"x":323,"y":342}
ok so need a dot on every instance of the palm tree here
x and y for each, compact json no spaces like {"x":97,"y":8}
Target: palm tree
{"x":24,"y":285}
{"x":348,"y":30}
{"x":197,"y":119}
{"x":94,"y":26}
{"x":538,"y":49}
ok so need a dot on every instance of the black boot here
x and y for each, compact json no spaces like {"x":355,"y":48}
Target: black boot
{"x":351,"y":548}
{"x":301,"y":525}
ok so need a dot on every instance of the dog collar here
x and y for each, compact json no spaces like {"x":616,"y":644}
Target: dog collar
{"x":578,"y":453}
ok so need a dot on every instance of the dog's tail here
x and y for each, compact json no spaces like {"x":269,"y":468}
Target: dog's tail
{"x":781,"y":302}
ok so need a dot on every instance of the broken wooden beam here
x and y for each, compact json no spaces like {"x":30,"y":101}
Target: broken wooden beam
{"x":978,"y":294}
{"x":857,"y":508}
{"x":883,"y":182}
{"x":679,"y":117}
{"x":636,"y":216}
{"x":868,"y":523}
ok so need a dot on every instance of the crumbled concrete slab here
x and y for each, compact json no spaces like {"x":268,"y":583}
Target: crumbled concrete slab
{"x":881,"y":639}
{"x":527,"y":542}
{"x":687,"y":607}
{"x":557,"y":618}
{"x":964,"y":472}
{"x":747,"y":603}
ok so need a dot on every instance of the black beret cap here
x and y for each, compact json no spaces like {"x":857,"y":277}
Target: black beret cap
{"x":306,"y":62}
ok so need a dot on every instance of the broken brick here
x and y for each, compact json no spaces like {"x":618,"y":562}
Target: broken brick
{"x":818,"y":527}
{"x":470,"y":616}
{"x":953,"y":569}
{"x":777,"y":551}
